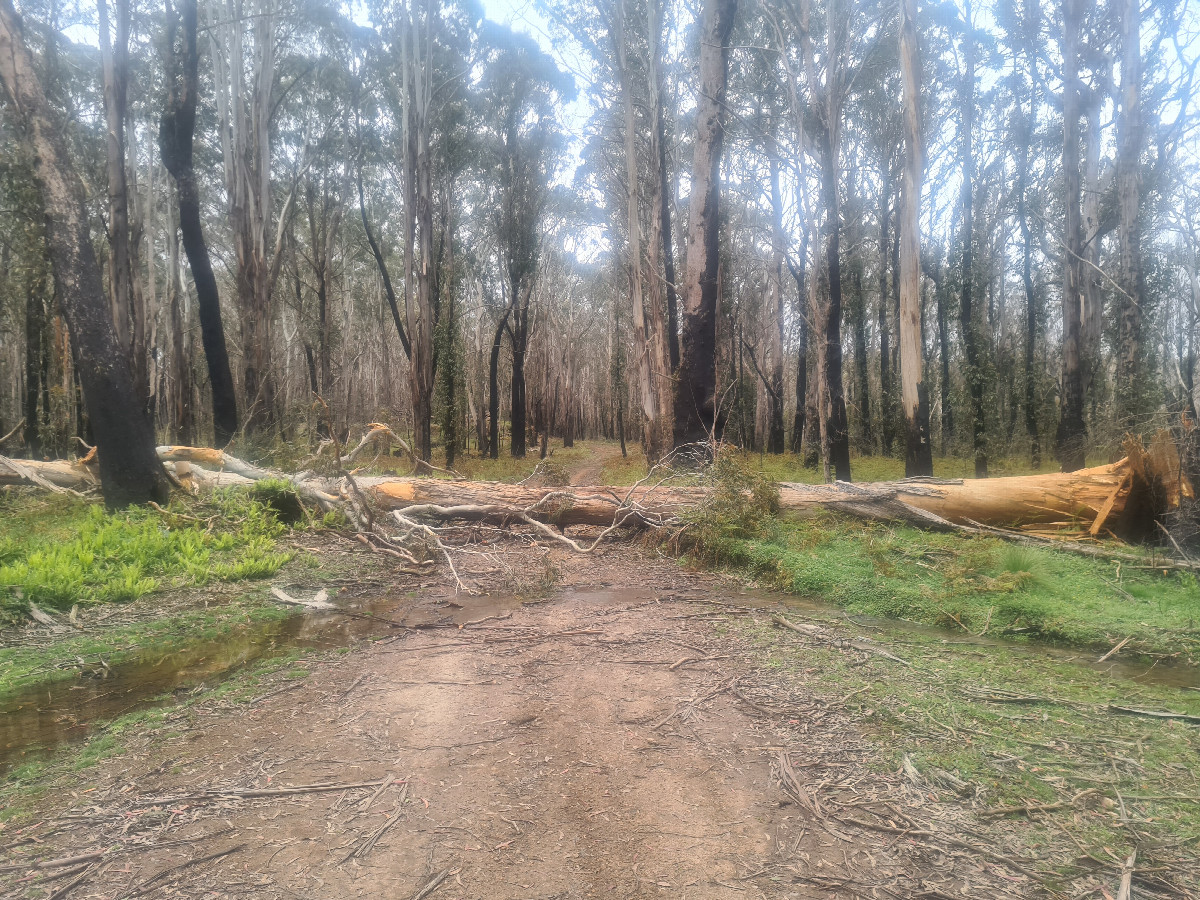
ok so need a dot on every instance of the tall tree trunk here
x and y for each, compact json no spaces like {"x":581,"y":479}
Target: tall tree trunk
{"x":1072,"y":432}
{"x":918,"y":453}
{"x":35,"y":341}
{"x":182,"y":415}
{"x":970,"y":328}
{"x":942,"y":301}
{"x":175,"y":141}
{"x":775,"y":325}
{"x":493,"y":446}
{"x":115,"y":69}
{"x":695,"y":397}
{"x":129,"y":468}
{"x":1129,"y":391}
{"x":888,"y":431}
{"x":802,"y":313}
{"x":417,"y":63}
{"x":659,"y":143}
{"x":1032,"y":303}
{"x":835,"y":431}
{"x":643,"y":334}
{"x":519,"y":338}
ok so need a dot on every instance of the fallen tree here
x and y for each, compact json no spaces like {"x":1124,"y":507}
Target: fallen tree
{"x":1121,"y":499}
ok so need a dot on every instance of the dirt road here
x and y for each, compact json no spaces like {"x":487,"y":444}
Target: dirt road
{"x":611,"y":741}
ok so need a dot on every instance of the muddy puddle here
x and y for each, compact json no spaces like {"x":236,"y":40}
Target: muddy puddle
{"x":65,"y":710}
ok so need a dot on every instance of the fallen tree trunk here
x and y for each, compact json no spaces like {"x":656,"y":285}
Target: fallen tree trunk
{"x":1098,"y":500}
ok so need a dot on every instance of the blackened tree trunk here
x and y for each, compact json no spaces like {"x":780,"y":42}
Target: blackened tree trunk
{"x":798,"y":274}
{"x":1072,"y":431}
{"x":1129,"y":387}
{"x":655,"y":22}
{"x":695,"y":391}
{"x":519,"y":337}
{"x":918,"y":453}
{"x":35,"y":340}
{"x":175,"y":140}
{"x":129,"y":468}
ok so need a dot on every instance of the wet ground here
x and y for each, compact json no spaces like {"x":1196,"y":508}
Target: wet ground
{"x":59,"y":711}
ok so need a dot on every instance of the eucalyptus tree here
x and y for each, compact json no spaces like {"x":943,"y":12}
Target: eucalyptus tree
{"x":129,"y":468}
{"x":521,"y":93}
{"x":176,"y":140}
{"x":695,"y":390}
{"x":1072,"y":430}
{"x":918,"y":451}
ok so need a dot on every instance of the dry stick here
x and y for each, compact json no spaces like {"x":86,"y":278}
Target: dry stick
{"x":1127,"y":876}
{"x":1153,"y":713}
{"x":1115,"y":650}
{"x":70,"y":885}
{"x":690,"y":704}
{"x":61,"y":862}
{"x":1170,"y":537}
{"x":258,"y":793}
{"x":1030,"y":808}
{"x":366,"y":845}
{"x":432,"y":885}
{"x":437,"y":541}
{"x":366,"y":804}
{"x":172,"y":873}
{"x":16,"y":428}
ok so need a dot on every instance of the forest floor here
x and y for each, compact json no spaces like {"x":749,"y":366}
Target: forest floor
{"x":617,"y":725}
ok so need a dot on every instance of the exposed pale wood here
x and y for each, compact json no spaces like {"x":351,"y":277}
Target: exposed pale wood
{"x":1074,"y":501}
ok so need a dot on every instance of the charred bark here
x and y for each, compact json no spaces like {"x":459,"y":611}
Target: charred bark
{"x":175,"y":140}
{"x":129,"y":469}
{"x":695,"y":397}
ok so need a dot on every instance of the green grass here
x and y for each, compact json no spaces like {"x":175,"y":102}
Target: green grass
{"x":60,"y":551}
{"x":976,"y":584}
{"x":1046,"y":751}
{"x":511,"y":470}
{"x":623,"y":471}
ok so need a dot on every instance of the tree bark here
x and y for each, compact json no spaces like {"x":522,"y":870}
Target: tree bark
{"x":970,"y":328}
{"x":888,"y":431}
{"x":695,"y":392}
{"x":1032,"y":303}
{"x":175,"y":140}
{"x":1072,"y":432}
{"x":129,"y":469}
{"x":918,"y":453}
{"x":115,"y":71}
{"x":1129,"y":390}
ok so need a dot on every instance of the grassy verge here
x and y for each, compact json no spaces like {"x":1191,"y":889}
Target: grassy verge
{"x":60,"y":552}
{"x":973,"y":584}
{"x":140,"y":581}
{"x":1021,"y":728}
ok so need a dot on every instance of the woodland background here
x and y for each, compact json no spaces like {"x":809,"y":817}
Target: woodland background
{"x":418,"y":216}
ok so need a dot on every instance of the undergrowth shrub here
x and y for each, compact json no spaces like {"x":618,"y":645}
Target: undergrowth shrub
{"x":742,"y":505}
{"x":78,"y":553}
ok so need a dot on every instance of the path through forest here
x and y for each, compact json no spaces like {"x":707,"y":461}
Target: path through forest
{"x":613,"y":740}
{"x":620,"y":735}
